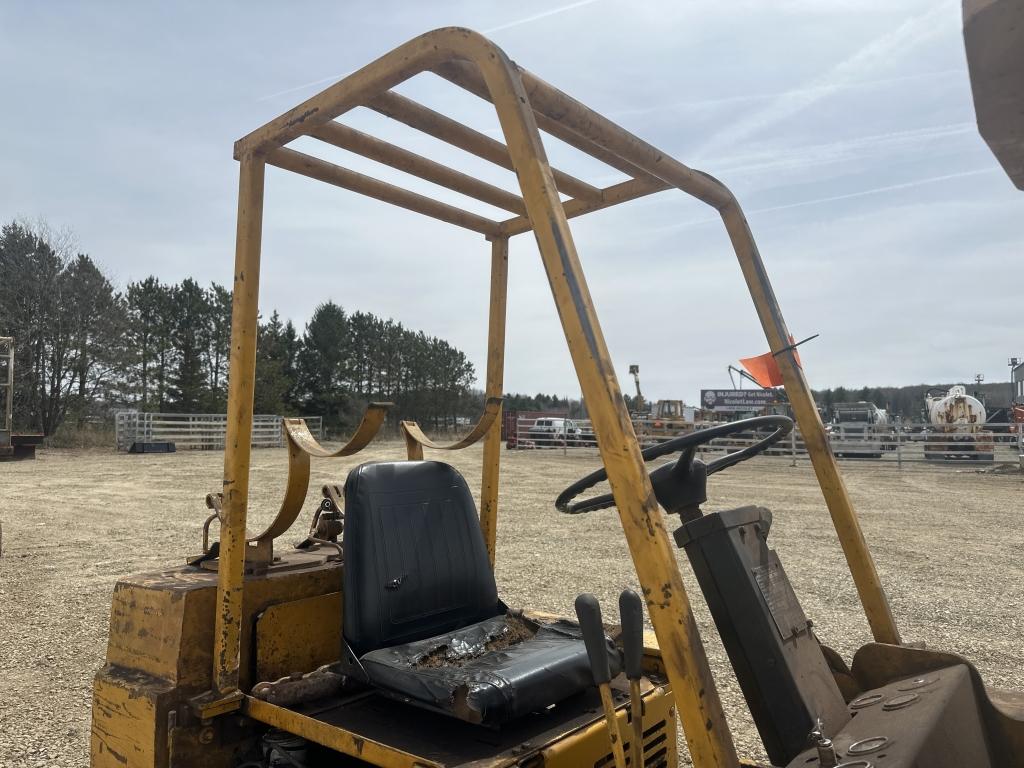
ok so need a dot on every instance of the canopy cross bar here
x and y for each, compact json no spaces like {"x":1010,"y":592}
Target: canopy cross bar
{"x":426,"y":120}
{"x":344,"y":137}
{"x":321,"y":170}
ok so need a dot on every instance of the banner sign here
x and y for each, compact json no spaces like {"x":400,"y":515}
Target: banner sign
{"x":734,"y":400}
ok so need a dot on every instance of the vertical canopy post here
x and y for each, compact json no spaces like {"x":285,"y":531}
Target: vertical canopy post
{"x":238,"y":439}
{"x":494,"y":388}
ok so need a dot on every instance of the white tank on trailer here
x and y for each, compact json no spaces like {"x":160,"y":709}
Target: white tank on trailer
{"x":954,"y":408}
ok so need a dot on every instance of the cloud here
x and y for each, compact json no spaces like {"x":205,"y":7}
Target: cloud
{"x":538,"y":16}
{"x":778,"y":165}
{"x":810,"y":91}
{"x":886,"y":186}
{"x":877,"y":190}
{"x":920,"y":182}
{"x":304,"y":86}
{"x":914,"y":140}
{"x":490,"y":31}
{"x":912,"y":33}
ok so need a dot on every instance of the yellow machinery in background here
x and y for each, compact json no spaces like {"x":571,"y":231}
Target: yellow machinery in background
{"x":258,"y":654}
{"x":654,"y":421}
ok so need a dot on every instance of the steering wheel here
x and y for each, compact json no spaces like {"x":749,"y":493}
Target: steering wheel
{"x":681,"y":485}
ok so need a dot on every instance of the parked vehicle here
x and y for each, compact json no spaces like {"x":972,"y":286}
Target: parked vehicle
{"x":860,"y":429}
{"x":958,"y":426}
{"x":550,"y":432}
{"x":513,"y":420}
{"x":587,"y":436}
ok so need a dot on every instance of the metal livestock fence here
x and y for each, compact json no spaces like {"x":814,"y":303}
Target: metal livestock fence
{"x":894,"y":446}
{"x":203,"y":431}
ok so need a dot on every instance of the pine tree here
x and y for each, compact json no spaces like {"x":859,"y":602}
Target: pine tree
{"x":322,"y":364}
{"x":218,"y":300}
{"x":272,"y":380}
{"x":96,"y":317}
{"x":191,"y":338}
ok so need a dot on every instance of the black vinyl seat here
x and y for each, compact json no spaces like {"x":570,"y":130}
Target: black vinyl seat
{"x":421,"y":609}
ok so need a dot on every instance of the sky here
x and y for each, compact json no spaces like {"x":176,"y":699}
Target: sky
{"x":845,"y":128}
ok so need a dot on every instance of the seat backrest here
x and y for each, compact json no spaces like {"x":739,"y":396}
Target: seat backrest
{"x":416,"y":564}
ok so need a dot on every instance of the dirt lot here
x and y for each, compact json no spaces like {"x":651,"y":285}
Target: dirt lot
{"x":947,"y":543}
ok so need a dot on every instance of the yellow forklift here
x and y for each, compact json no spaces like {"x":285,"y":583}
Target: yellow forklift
{"x":382,"y":640}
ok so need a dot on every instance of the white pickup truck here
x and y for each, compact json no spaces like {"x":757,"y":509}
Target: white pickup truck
{"x":550,"y":432}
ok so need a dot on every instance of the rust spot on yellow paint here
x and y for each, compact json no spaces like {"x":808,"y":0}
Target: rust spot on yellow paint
{"x":117,"y":755}
{"x":298,"y":119}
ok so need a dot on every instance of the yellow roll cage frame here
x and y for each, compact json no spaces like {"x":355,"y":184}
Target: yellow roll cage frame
{"x":525,"y":105}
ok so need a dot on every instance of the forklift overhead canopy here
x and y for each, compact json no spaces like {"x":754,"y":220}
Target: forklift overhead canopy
{"x":525,"y":106}
{"x":556,"y":113}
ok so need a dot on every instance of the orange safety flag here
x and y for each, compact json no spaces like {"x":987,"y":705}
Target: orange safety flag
{"x":765,"y":368}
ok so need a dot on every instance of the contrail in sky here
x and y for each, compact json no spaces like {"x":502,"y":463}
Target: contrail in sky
{"x":834,"y":198}
{"x":812,"y":90}
{"x":876,"y":190}
{"x":538,"y":16}
{"x":321,"y":81}
{"x":802,"y":157}
{"x":879,"y":51}
{"x":844,"y":150}
{"x":492,"y":30}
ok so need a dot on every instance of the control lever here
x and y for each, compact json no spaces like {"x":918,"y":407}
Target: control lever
{"x":827,"y":757}
{"x":631,"y":616}
{"x":588,"y":611}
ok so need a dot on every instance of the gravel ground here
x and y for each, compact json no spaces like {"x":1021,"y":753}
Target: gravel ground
{"x":947,"y":544}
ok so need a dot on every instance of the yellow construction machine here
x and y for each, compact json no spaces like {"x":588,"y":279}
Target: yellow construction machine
{"x":654,"y":421}
{"x":382,"y":639}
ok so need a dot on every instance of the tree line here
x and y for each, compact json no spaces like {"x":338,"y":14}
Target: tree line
{"x":907,"y":402}
{"x":541,"y":402}
{"x":83,"y":348}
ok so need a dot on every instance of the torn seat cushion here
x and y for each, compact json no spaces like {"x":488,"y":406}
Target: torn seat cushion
{"x":459,"y":674}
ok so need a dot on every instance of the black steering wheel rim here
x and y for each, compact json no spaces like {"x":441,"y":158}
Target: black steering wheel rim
{"x":689,"y":442}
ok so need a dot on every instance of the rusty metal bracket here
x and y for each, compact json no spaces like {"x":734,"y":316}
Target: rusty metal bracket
{"x":209,"y":704}
{"x":416,"y":441}
{"x":259,"y":551}
{"x":302,"y":445}
{"x":299,"y":434}
{"x":214,"y":501}
{"x":294,"y":689}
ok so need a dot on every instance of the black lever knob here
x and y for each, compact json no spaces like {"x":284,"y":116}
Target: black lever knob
{"x":588,"y":611}
{"x":631,"y":616}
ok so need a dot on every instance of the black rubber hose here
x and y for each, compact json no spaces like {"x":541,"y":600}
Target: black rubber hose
{"x":631,"y":617}
{"x":588,"y":611}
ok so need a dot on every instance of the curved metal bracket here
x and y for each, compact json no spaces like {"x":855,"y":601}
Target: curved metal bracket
{"x":416,"y":441}
{"x":294,"y":494}
{"x":299,"y":434}
{"x":302,"y":445}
